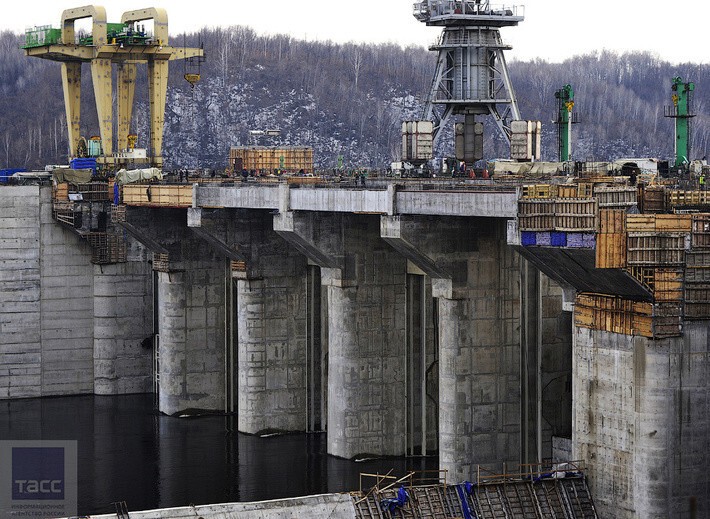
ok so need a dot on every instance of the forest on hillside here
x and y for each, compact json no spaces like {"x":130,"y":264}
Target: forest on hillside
{"x":344,"y":100}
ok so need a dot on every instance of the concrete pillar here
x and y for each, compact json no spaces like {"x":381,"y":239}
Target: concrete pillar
{"x":365,"y":287}
{"x":641,"y":421}
{"x":192,"y":335}
{"x":191,"y":338}
{"x":475,"y":277}
{"x":271,"y":318}
{"x":123,"y":325}
{"x":479,"y":373}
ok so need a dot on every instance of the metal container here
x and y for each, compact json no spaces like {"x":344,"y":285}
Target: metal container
{"x":417,"y":140}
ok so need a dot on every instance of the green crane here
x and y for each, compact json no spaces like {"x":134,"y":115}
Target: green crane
{"x":565,"y":104}
{"x":681,"y":112}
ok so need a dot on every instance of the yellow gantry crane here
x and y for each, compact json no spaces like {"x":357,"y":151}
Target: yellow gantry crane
{"x":124,"y":45}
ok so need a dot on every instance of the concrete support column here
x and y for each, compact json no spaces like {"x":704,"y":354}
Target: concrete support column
{"x":271,"y":319}
{"x":479,"y":375}
{"x":123,"y":327}
{"x":192,"y":326}
{"x":191,"y":335}
{"x":366,"y":387}
{"x":365,"y":289}
{"x":271,"y":355}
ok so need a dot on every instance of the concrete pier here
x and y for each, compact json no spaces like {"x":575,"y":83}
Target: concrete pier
{"x":365,"y":297}
{"x":641,"y":421}
{"x":67,"y":326}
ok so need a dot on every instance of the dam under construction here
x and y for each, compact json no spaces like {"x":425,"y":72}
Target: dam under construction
{"x":541,"y":329}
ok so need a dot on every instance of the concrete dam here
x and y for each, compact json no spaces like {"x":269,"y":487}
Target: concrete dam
{"x":403,"y":318}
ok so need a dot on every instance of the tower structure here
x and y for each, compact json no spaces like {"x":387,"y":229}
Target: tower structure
{"x":471,"y":77}
{"x":681,"y":111}
{"x":125,"y":45}
{"x":565,"y":118}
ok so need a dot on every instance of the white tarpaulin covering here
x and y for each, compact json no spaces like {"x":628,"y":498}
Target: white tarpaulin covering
{"x":132,"y":176}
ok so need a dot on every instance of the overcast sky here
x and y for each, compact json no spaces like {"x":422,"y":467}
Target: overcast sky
{"x":553,"y":29}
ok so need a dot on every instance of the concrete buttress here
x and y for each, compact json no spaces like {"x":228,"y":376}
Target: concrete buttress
{"x":475,"y":277}
{"x":192,"y":289}
{"x":641,"y":421}
{"x":270,"y":301}
{"x":365,"y":287}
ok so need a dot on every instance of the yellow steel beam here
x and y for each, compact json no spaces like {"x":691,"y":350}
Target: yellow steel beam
{"x":97,"y":13}
{"x":138,"y":53}
{"x":157,"y":93}
{"x":103,"y":92}
{"x":126,"y":94}
{"x":71,"y":81}
{"x":160,"y":21}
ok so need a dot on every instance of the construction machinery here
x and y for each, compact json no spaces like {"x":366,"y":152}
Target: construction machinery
{"x":565,"y":118}
{"x":471,"y":77}
{"x":126,"y":45}
{"x":681,"y":111}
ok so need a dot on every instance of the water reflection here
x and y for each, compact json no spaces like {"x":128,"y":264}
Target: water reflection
{"x":128,"y":452}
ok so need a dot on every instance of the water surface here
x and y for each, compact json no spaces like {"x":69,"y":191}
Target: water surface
{"x":128,"y":452}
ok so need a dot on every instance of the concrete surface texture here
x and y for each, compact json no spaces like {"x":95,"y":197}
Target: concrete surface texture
{"x":58,"y":338}
{"x":641,"y":421}
{"x":333,"y":506}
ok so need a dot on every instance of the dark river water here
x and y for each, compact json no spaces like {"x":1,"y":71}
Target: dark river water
{"x":128,"y":452}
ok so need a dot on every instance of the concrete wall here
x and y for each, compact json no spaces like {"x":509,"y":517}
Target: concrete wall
{"x":641,"y":421}
{"x":55,"y":335}
{"x":123,"y":327}
{"x":20,"y":273}
{"x":333,"y":506}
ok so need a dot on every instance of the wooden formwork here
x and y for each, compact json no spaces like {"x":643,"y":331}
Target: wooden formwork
{"x":612,"y":221}
{"x":659,"y":223}
{"x":667,"y":285}
{"x":161,"y":262}
{"x":560,"y":214}
{"x":576,"y":214}
{"x":611,"y":251}
{"x":539,"y":191}
{"x":614,"y":314}
{"x":680,"y":198}
{"x":157,"y":195}
{"x":616,"y":196}
{"x":568,"y":192}
{"x":585,"y":190}
{"x":653,"y":199}
{"x":618,"y":315}
{"x":701,"y":231}
{"x":655,"y":249}
{"x":536,"y":215}
{"x":266,"y":159}
{"x":60,"y":192}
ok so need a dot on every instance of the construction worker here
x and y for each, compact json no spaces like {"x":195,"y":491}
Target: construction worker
{"x":702,"y":181}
